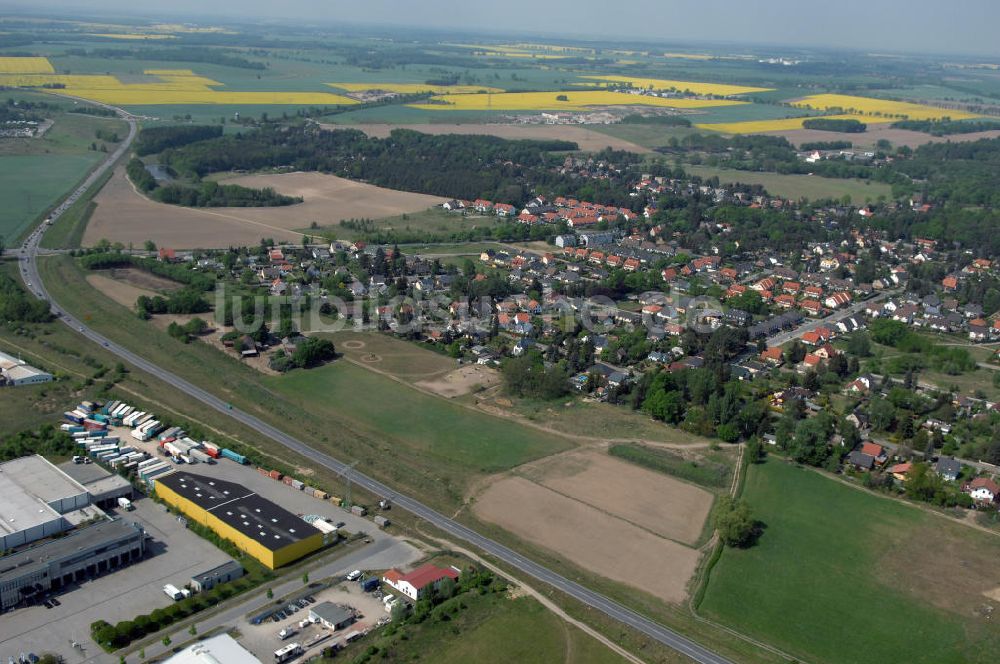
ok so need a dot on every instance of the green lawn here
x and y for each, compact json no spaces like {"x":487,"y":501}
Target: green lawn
{"x":841,"y":575}
{"x":434,"y":428}
{"x":797,"y":186}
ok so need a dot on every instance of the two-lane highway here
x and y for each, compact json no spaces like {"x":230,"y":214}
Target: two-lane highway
{"x":664,"y":635}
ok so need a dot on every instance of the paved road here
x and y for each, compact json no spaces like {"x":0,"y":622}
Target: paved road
{"x":832,"y":319}
{"x":664,"y":635}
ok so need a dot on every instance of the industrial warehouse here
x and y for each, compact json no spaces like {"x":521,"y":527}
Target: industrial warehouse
{"x":88,"y":552}
{"x":269,"y":533}
{"x":41,"y":500}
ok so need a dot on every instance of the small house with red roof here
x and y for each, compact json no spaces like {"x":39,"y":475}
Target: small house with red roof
{"x":420,"y":581}
{"x":984,"y":491}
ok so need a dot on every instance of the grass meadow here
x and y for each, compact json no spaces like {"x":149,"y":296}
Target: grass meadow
{"x":842,"y":575}
{"x":797,"y":186}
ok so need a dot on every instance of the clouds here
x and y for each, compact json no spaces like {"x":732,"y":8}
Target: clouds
{"x":908,"y":25}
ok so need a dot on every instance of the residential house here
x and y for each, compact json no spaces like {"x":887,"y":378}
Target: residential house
{"x":948,"y":468}
{"x":984,"y":490}
{"x":420,"y":581}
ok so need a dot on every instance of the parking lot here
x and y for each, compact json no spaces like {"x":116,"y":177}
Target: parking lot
{"x":262,"y":640}
{"x":174,"y":555}
{"x":291,"y":499}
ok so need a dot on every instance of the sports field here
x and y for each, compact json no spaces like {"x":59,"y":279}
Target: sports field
{"x":843,"y":576}
{"x":795,"y":187}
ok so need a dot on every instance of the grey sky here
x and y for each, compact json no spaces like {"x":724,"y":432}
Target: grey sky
{"x":961,"y":26}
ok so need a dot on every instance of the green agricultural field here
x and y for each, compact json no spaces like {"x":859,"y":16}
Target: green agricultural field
{"x":747,"y":113}
{"x":434,"y":428}
{"x":798,"y":186}
{"x":37,"y":172}
{"x":425,"y":226}
{"x":842,"y":575}
{"x":34,"y":183}
{"x":646,"y":135}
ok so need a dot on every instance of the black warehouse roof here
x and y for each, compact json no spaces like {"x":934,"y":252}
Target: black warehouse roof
{"x":255,"y":517}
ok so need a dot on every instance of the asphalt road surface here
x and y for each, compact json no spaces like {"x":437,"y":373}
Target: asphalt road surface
{"x":29,"y":272}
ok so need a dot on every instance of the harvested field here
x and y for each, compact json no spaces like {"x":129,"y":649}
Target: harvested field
{"x":461,"y":381}
{"x":328,"y":198}
{"x":125,"y":216}
{"x":587,"y":139}
{"x":590,"y":538}
{"x":877,"y":132}
{"x":668,"y":507}
{"x":121,"y":292}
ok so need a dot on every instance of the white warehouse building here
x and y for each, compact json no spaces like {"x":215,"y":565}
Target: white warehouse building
{"x":39,"y":500}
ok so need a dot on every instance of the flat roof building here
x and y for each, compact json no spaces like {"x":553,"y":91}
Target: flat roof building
{"x":99,"y":483}
{"x":14,"y":371}
{"x":266,"y":531}
{"x":332,"y":616}
{"x":228,"y":571}
{"x":221,"y":649}
{"x":87,"y":552}
{"x":38,"y":499}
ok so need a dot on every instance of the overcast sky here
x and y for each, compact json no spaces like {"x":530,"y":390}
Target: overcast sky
{"x":961,"y":26}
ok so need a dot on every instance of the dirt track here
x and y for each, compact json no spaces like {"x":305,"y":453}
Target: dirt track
{"x":124,"y":215}
{"x":589,"y":141}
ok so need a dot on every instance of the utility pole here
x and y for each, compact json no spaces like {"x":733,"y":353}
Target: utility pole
{"x":346,"y":473}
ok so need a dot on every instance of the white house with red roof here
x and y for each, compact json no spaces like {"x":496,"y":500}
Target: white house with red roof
{"x":420,"y":581}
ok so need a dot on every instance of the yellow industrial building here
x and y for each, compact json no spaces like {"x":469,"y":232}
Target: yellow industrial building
{"x":269,"y":533}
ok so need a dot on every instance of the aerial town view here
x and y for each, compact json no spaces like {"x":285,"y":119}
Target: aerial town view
{"x":459,"y":332}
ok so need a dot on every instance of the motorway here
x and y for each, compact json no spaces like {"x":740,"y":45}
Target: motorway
{"x":30,"y":274}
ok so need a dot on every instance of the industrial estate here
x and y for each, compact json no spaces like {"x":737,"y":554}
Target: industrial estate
{"x":324,"y":341}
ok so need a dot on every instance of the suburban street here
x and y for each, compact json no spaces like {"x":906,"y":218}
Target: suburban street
{"x":809,"y":326}
{"x":31,"y":276}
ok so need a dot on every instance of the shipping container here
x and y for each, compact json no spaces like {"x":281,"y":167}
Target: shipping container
{"x":149,"y":463}
{"x":91,"y":405}
{"x":72,"y":417}
{"x":212,"y":452}
{"x":209,"y":447}
{"x":275,"y":475}
{"x":200,"y":456}
{"x":233,"y":456}
{"x":296,"y":484}
{"x":358,"y":510}
{"x":381,"y":521}
{"x":100,"y":418}
{"x":322,"y":495}
{"x":130,"y":419}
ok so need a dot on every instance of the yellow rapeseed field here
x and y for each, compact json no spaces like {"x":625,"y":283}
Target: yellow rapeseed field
{"x":413,"y":88}
{"x":692,"y":86}
{"x":891,"y":110}
{"x":784,"y":124}
{"x":166,"y":86}
{"x":25,"y":66}
{"x":575,"y":100}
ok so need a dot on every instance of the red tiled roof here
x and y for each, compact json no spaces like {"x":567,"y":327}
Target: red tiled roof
{"x":871,"y":449}
{"x":427,"y":574}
